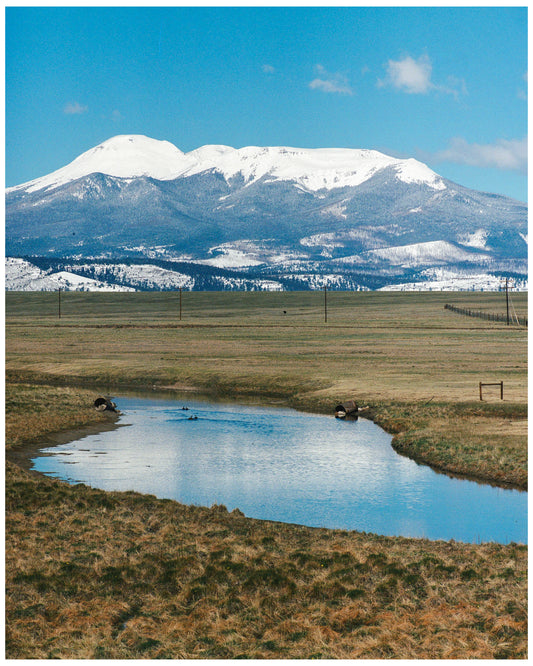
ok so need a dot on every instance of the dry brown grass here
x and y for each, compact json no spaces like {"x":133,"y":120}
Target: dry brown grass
{"x":376,"y":345}
{"x":32,"y":409}
{"x":120,"y":575}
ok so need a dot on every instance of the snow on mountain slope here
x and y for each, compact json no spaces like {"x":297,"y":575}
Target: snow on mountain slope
{"x":131,"y":156}
{"x":441,"y":279}
{"x":313,"y":169}
{"x":476,"y":239}
{"x":419,"y":254}
{"x":230,"y":257}
{"x":126,"y":156}
{"x":147,"y":276}
{"x":21,"y":275}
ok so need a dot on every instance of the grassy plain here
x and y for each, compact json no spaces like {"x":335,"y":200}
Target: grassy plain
{"x":119,"y":575}
{"x":416,"y":364}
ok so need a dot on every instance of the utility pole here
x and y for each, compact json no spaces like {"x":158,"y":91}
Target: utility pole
{"x":507,"y":297}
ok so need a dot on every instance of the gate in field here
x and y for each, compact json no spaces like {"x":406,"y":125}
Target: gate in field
{"x":482,"y":384}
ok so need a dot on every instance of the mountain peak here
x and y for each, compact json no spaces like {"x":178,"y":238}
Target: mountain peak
{"x":312,"y":169}
{"x":329,"y":213}
{"x":123,"y":156}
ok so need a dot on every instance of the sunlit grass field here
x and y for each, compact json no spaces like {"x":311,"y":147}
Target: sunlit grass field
{"x":416,"y":364}
{"x":119,"y":575}
{"x":373,"y":345}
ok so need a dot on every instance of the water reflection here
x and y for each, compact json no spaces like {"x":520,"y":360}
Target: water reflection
{"x":279,"y":464}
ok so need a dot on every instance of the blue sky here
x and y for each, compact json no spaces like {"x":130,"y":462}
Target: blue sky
{"x":445,"y":85}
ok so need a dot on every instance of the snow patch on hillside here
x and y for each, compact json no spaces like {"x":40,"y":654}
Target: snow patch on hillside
{"x":247,"y":254}
{"x":337,"y":210}
{"x":477,"y":239}
{"x":21,"y":275}
{"x":367,"y":236}
{"x":230,"y":257}
{"x":418,"y":254}
{"x":448,"y":280}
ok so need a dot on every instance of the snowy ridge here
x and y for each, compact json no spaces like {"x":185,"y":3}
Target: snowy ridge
{"x":442,"y":279}
{"x":430,"y":252}
{"x":132,"y":156}
{"x":21,"y":275}
{"x":145,"y":275}
{"x":127,"y":156}
{"x":312,"y":169}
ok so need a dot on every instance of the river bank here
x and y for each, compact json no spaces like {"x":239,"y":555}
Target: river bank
{"x":120,"y":575}
{"x":485,"y":442}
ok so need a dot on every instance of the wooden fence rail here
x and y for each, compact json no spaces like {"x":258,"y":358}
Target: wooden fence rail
{"x":482,"y":384}
{"x":488,"y":316}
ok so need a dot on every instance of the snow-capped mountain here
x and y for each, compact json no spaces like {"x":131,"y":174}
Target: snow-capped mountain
{"x":133,"y":156}
{"x":278,"y":212}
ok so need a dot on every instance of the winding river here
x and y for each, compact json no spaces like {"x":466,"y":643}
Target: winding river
{"x":284,"y":465}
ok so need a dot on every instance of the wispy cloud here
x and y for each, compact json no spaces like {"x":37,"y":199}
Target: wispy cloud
{"x":415,"y":77}
{"x":268,"y":69}
{"x":331,"y":82}
{"x":506,"y":154}
{"x":116,"y":116}
{"x":75,"y":108}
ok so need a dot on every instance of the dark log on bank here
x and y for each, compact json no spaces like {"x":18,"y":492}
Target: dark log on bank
{"x":104,"y":404}
{"x":345,"y":409}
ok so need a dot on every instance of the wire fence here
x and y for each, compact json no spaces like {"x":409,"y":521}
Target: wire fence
{"x":488,"y":316}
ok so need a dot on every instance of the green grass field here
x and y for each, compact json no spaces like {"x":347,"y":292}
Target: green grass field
{"x":119,"y":575}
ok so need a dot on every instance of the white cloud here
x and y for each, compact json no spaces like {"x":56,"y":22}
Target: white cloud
{"x":75,"y":108}
{"x":507,"y":154}
{"x":414,"y":77}
{"x":409,"y":75}
{"x":268,"y":69}
{"x":331,"y":82}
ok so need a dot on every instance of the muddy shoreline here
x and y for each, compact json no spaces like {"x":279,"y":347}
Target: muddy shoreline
{"x":22,"y":455}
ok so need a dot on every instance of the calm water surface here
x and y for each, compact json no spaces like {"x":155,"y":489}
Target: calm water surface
{"x":284,"y":465}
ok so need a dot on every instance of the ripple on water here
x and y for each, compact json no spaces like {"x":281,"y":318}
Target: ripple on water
{"x":284,"y":465}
